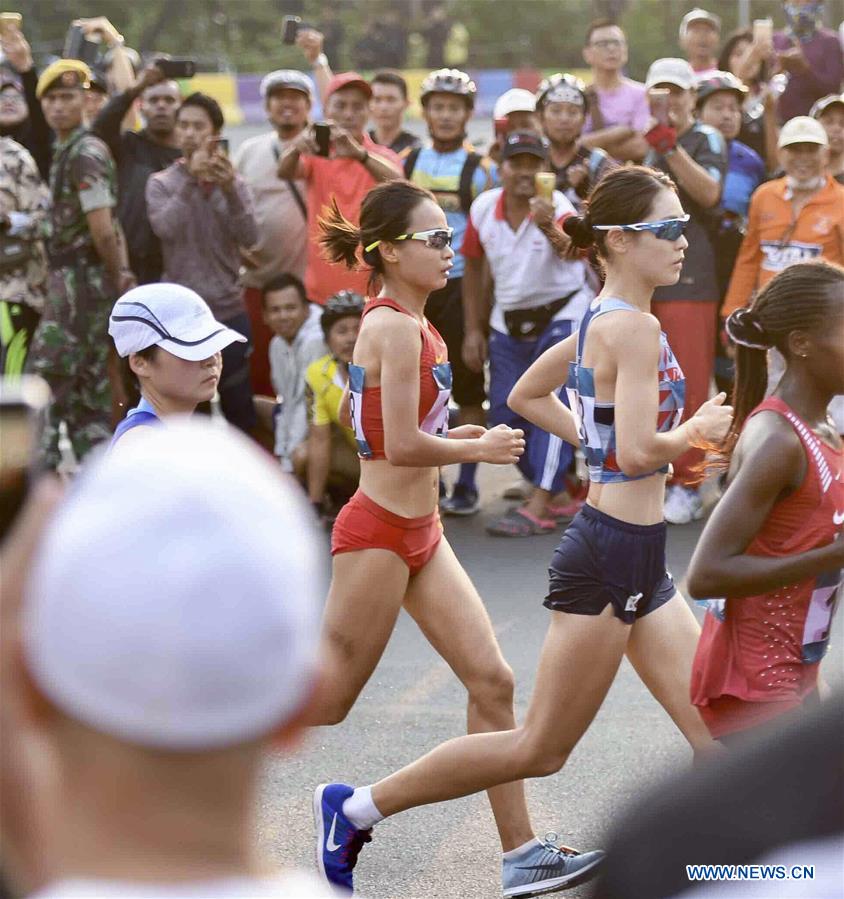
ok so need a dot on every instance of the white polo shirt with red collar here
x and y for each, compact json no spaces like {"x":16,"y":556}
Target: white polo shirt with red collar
{"x":525,"y":267}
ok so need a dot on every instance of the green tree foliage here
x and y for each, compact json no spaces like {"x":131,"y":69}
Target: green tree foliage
{"x":245,"y":35}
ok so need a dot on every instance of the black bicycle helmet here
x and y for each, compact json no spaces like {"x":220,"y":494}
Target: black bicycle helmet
{"x":343,"y":304}
{"x":561,"y":88}
{"x":449,"y":81}
{"x":719,"y":81}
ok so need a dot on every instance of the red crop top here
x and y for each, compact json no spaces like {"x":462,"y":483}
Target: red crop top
{"x":434,"y":390}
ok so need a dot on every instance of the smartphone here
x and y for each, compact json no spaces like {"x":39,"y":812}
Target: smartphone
{"x":176,"y":68}
{"x":289,"y":29}
{"x":10,"y":20}
{"x":763,"y":31}
{"x":23,"y":411}
{"x":545,"y":182}
{"x":322,"y":136}
{"x":658,"y":98}
{"x":78,"y":46}
{"x":223,"y":146}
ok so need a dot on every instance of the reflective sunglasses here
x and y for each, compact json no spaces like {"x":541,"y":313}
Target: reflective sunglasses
{"x":435,"y":239}
{"x":667,"y":229}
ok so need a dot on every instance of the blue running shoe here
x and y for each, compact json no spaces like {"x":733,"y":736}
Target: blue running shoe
{"x":339,"y":842}
{"x":547,"y":868}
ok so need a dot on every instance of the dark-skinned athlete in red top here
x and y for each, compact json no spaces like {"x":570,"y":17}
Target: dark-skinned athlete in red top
{"x":773,"y":547}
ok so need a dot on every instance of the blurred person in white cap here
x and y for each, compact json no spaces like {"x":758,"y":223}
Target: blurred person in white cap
{"x":829,"y":111}
{"x":171,"y":344}
{"x":695,"y":156}
{"x":160,"y":700}
{"x":700,"y":37}
{"x":279,"y":206}
{"x":792,"y":219}
{"x":514,"y":110}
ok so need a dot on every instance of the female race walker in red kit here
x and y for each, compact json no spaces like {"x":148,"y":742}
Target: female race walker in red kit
{"x":388,"y":547}
{"x":773,"y":546}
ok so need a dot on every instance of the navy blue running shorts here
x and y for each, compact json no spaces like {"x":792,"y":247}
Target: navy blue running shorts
{"x":603,"y":560}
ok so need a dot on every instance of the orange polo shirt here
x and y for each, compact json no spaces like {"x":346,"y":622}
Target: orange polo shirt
{"x":774,"y":240}
{"x":348,"y":181}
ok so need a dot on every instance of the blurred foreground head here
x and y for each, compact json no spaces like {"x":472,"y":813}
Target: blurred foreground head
{"x":174,"y":601}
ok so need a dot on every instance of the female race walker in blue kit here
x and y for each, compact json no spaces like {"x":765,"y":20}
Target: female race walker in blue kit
{"x":609,"y":592}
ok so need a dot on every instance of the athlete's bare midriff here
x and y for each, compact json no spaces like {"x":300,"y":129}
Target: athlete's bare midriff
{"x":409,"y":492}
{"x":636,"y":502}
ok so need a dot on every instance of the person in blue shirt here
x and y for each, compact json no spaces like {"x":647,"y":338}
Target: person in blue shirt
{"x":449,"y":167}
{"x":171,"y":346}
{"x":720,"y":99}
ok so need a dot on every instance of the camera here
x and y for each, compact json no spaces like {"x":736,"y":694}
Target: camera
{"x":176,"y":68}
{"x":77,"y":46}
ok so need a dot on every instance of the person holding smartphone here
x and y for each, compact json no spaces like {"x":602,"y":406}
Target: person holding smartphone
{"x":201,"y":210}
{"x":695,"y":156}
{"x":810,"y":56}
{"x":539,"y":297}
{"x":337,"y":160}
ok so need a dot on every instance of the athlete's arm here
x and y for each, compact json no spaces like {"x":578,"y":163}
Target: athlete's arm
{"x":400,"y":345}
{"x":640,"y":448}
{"x":535,"y":395}
{"x":772,"y":464}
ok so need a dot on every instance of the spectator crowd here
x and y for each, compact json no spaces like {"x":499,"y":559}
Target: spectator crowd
{"x":112,"y":178}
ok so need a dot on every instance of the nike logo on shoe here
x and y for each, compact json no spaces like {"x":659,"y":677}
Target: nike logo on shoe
{"x":552,"y":868}
{"x":330,"y":845}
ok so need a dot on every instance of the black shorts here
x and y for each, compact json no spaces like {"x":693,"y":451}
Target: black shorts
{"x":444,"y":310}
{"x":603,"y":560}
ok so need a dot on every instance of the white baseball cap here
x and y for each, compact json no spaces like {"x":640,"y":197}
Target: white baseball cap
{"x":699,"y":15}
{"x":802,"y":129}
{"x":171,"y":316}
{"x":670,"y":70}
{"x":517,"y":99}
{"x":287,"y":79}
{"x":174,"y":598}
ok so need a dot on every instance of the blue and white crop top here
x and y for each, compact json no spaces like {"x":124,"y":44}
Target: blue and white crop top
{"x":596,"y":421}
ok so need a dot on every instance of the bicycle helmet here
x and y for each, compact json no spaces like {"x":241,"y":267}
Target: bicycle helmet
{"x":449,"y":81}
{"x":343,"y":304}
{"x":719,"y":81}
{"x":561,"y":88}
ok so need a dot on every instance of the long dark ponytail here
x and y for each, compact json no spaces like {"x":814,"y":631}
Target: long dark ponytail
{"x":801,"y":297}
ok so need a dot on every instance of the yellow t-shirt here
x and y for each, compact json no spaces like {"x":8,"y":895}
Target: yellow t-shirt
{"x":325,"y":386}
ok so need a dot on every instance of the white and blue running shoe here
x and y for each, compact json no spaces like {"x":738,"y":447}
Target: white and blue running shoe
{"x":547,"y":868}
{"x":338,"y":842}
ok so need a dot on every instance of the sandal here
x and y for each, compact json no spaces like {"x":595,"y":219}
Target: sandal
{"x":520,"y":523}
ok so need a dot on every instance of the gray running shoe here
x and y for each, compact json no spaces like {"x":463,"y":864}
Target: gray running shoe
{"x":548,"y":868}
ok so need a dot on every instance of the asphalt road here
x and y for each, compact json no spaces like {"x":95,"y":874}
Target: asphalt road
{"x":413,"y":702}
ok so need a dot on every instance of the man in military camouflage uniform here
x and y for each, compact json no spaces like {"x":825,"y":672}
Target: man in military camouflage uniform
{"x":24,"y":222}
{"x":71,"y":348}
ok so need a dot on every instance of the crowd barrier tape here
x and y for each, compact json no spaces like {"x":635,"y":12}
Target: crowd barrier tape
{"x":240,"y":98}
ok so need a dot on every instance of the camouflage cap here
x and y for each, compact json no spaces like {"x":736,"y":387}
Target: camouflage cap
{"x":63,"y":73}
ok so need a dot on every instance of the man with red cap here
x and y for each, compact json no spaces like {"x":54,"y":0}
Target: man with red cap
{"x":354,"y":164}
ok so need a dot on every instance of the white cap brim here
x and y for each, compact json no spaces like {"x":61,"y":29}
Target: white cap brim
{"x":202,"y":346}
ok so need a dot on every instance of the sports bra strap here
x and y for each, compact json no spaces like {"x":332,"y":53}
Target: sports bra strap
{"x":607,"y":304}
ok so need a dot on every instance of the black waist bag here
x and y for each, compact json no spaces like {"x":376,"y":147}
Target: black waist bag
{"x":528,"y":324}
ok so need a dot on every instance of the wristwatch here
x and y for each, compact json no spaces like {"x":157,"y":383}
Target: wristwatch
{"x":321,"y":62}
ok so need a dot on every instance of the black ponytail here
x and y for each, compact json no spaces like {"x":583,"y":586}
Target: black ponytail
{"x":802,"y":297}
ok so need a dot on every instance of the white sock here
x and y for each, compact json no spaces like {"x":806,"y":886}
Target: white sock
{"x":361,"y":810}
{"x":519,"y":851}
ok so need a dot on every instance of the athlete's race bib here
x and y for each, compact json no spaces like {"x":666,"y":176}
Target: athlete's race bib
{"x":436,"y":421}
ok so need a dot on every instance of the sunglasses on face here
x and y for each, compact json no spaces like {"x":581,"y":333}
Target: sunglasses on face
{"x":667,"y":229}
{"x":435,"y":239}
